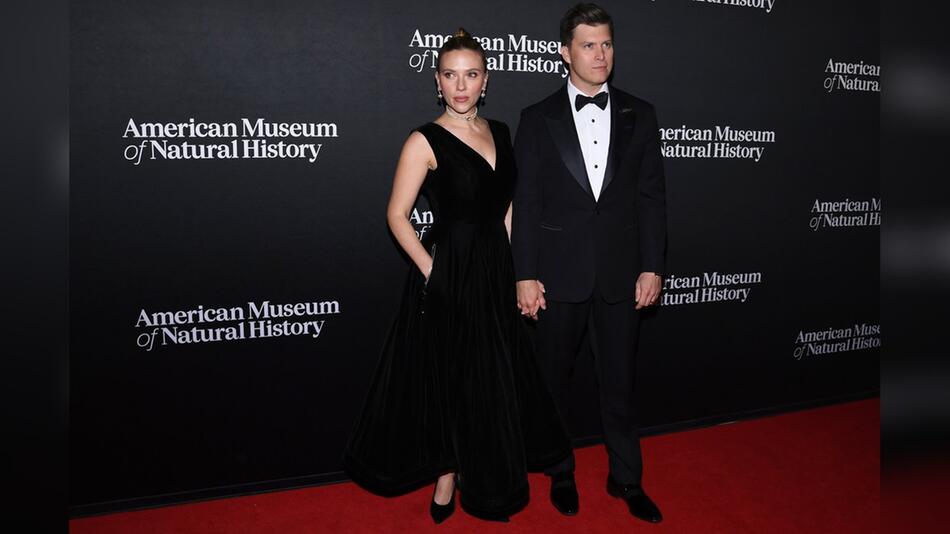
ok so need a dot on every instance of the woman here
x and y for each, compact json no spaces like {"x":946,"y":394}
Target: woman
{"x":457,"y":394}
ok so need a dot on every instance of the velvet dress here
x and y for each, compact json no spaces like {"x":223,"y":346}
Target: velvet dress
{"x":457,"y":387}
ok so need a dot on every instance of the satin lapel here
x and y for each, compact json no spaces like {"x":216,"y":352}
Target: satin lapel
{"x":622,"y":120}
{"x":561,"y":125}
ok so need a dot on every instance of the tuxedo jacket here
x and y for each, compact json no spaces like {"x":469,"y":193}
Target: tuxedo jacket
{"x":561,"y":235}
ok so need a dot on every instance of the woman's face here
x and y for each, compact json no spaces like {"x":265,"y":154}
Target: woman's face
{"x":461,"y":78}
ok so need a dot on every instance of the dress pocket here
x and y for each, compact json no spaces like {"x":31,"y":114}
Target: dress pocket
{"x":423,"y":298}
{"x":425,"y":284}
{"x":551,"y":227}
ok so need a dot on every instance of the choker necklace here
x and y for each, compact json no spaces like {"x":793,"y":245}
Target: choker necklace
{"x":454,"y":114}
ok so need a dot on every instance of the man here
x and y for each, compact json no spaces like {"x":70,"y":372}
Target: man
{"x":588,"y":236}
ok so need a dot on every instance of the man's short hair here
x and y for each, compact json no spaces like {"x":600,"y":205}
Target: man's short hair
{"x":590,"y":14}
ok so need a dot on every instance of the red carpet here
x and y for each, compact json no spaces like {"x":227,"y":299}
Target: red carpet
{"x":803,"y":472}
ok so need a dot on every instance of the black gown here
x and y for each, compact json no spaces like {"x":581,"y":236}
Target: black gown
{"x":457,"y":387}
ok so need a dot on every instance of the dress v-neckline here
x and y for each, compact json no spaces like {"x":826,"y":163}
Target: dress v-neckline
{"x":491,"y":134}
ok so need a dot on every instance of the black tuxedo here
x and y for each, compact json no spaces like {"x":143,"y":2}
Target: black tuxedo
{"x":589,"y":253}
{"x":564,"y":237}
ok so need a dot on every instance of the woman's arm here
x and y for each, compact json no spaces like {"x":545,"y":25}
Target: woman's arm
{"x":414,"y":162}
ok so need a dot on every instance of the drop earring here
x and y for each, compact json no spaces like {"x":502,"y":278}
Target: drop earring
{"x":440,"y":101}
{"x":481,"y":99}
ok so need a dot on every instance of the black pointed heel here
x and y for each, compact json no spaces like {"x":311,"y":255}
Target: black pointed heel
{"x":441,"y":512}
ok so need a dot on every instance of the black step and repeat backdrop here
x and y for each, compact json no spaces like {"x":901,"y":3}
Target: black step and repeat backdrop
{"x":232,"y":275}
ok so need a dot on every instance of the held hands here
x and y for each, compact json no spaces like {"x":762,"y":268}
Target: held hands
{"x":531,"y":297}
{"x":531,"y":294}
{"x":648,"y":289}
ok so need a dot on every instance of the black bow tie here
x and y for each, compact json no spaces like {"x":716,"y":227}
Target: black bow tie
{"x":600,"y":100}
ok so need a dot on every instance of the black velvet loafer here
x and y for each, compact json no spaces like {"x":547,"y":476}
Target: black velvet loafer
{"x":564,"y":493}
{"x":640,"y":505}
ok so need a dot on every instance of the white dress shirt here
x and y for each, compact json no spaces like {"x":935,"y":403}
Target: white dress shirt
{"x":593,"y":133}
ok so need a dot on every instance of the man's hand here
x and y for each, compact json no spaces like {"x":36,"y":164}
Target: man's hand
{"x":531,"y":297}
{"x":648,"y":289}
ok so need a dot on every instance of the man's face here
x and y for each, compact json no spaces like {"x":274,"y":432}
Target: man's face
{"x":590,"y":55}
